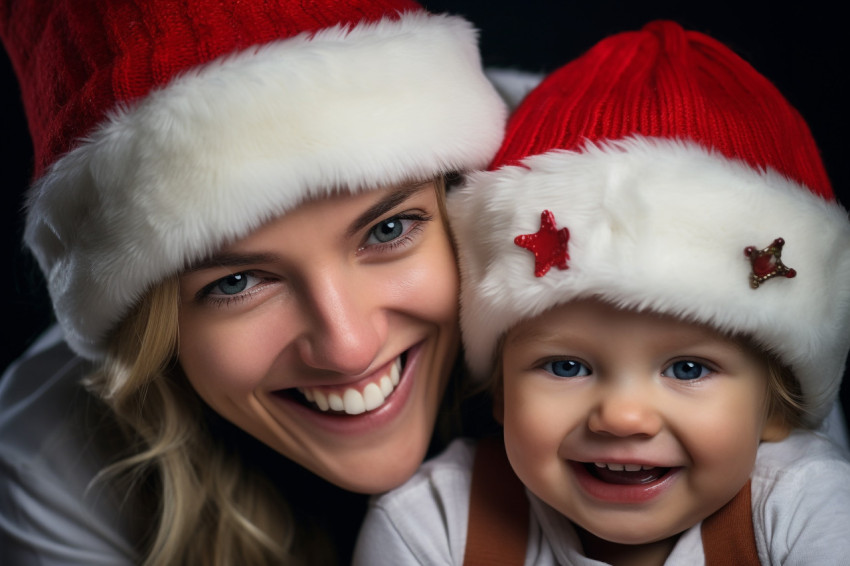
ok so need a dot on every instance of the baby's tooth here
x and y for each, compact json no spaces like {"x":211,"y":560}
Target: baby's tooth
{"x":335,"y":401}
{"x":353,"y":400}
{"x":599,"y":465}
{"x":308,"y":393}
{"x":386,"y":386}
{"x":320,"y":400}
{"x":615,"y":467}
{"x":632,"y":467}
{"x":372,"y":397}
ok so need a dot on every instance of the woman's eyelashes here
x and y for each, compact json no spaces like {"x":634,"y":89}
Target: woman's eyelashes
{"x":385,"y":236}
{"x":394,"y":232}
{"x":230,"y":288}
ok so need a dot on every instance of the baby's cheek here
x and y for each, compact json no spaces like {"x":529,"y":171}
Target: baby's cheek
{"x":728,"y":448}
{"x":532,"y":431}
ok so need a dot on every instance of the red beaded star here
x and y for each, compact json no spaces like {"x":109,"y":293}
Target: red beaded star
{"x":767,"y":263}
{"x":549,"y":245}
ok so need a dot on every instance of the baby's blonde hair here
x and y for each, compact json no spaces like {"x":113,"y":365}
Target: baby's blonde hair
{"x":785,"y":399}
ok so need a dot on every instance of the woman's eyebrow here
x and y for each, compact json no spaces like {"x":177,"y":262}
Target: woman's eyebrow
{"x":374,"y":212}
{"x":231,"y":260}
{"x":387,"y":203}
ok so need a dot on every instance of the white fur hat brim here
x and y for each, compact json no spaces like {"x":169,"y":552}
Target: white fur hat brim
{"x":225,"y":147}
{"x":660,"y":225}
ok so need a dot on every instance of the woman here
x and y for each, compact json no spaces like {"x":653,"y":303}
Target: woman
{"x":238,"y":208}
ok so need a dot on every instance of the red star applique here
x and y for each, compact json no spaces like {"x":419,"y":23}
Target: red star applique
{"x":767,"y":263}
{"x":549,"y":245}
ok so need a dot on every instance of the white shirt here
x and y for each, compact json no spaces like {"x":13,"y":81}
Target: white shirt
{"x":51,"y":513}
{"x":800,"y":499}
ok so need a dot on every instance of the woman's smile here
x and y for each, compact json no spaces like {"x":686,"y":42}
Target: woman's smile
{"x":365,"y":395}
{"x":341,"y":409}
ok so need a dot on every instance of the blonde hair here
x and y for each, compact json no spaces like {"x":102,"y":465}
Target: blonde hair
{"x":212,"y":508}
{"x":785,"y":398}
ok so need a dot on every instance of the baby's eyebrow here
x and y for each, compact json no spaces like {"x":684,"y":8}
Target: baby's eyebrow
{"x":535,"y":336}
{"x":387,"y":203}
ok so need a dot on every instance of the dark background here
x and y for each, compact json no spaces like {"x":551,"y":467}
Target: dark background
{"x":801,"y":47}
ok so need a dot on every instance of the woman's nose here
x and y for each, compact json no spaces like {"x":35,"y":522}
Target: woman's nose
{"x":347,"y":326}
{"x":625,"y":410}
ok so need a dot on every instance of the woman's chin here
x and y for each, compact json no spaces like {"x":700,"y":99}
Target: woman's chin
{"x":375,"y":471}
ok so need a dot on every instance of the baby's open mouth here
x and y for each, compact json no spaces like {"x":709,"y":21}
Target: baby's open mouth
{"x":625,"y":474}
{"x":367,"y":395}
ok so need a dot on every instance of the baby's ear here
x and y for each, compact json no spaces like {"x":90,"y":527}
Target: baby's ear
{"x":499,"y":403}
{"x":776,"y":428}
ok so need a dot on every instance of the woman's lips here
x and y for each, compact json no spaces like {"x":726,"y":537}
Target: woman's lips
{"x":367,"y":395}
{"x":623,"y":483}
{"x":339,"y":422}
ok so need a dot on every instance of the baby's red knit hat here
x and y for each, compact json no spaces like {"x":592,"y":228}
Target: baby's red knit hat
{"x":659,"y":171}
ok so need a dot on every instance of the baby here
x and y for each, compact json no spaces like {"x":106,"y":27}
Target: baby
{"x":656,"y":279}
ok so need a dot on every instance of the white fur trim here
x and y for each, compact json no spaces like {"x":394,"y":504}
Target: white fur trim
{"x":660,"y":225}
{"x":222,"y":149}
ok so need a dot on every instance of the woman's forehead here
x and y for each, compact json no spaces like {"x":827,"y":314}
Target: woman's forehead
{"x":343,"y":214}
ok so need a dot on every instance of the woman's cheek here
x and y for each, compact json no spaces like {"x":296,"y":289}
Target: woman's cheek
{"x":433,"y":286}
{"x":231,"y":353}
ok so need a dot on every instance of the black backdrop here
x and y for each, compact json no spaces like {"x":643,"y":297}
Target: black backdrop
{"x":801,"y":47}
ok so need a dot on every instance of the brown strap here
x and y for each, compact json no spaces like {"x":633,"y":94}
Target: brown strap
{"x":728,"y":537}
{"x":497,"y":534}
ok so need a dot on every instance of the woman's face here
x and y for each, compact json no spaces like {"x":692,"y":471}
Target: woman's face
{"x":330,"y":332}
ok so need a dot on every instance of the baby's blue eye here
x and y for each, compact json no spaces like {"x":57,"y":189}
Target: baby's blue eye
{"x":686,"y":370}
{"x":388,"y":230}
{"x":566,"y":368}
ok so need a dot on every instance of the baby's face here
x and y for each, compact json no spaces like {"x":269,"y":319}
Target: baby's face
{"x":633,"y":425}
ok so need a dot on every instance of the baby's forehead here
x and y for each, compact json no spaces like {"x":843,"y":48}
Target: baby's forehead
{"x":590,"y":318}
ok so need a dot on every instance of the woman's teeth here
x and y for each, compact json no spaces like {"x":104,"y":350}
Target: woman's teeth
{"x":355,"y":401}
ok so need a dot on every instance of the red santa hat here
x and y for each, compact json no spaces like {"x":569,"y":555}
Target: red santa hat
{"x":165,"y":128}
{"x":659,"y":171}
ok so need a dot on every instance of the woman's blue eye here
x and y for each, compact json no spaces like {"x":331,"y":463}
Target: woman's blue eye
{"x":388,"y":230}
{"x":232,"y":284}
{"x":230,"y":287}
{"x":566,"y":368}
{"x":686,"y":370}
